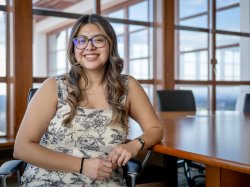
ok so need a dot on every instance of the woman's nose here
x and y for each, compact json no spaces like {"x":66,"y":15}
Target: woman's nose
{"x":90,"y":45}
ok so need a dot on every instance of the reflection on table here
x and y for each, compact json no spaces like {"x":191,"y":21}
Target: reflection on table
{"x":220,"y":140}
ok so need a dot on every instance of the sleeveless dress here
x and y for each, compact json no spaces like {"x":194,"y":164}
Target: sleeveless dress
{"x":90,"y":135}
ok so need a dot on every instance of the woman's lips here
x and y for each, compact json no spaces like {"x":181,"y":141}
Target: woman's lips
{"x":91,"y":56}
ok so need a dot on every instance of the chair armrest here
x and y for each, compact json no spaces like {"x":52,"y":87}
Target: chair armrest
{"x":10,"y":167}
{"x":145,"y":161}
{"x":134,"y":166}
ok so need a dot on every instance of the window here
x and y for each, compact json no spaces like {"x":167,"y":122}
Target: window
{"x":135,"y":39}
{"x":219,"y":60}
{"x":52,"y":22}
{"x":3,"y":87}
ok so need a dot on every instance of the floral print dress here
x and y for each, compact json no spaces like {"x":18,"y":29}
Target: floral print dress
{"x":89,"y":136}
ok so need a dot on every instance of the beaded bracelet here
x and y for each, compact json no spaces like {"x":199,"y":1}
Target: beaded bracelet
{"x":81,"y":165}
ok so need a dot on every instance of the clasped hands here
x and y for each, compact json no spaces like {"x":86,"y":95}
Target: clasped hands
{"x":101,"y":168}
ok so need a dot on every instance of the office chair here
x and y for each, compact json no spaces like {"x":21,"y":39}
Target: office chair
{"x":180,"y":100}
{"x":176,"y":100}
{"x":132,"y":170}
{"x":246,"y":105}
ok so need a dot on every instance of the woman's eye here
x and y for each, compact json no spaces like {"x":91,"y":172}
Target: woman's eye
{"x":81,"y":40}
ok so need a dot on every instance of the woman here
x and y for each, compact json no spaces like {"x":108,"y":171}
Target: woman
{"x":75,"y":127}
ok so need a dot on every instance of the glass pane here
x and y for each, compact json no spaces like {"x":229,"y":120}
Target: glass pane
{"x":2,"y":2}
{"x":233,"y":58}
{"x":134,"y":129}
{"x":121,"y":49}
{"x":226,"y":97}
{"x":61,"y":41}
{"x":139,"y":11}
{"x":76,"y":6}
{"x":138,"y":42}
{"x":136,"y":28}
{"x":222,"y":40}
{"x":223,"y":3}
{"x":3,"y":109}
{"x":3,"y":44}
{"x":192,"y":56}
{"x":201,"y":94}
{"x":229,"y":19}
{"x":228,"y":67}
{"x":49,"y":45}
{"x":193,"y":66}
{"x":57,"y":63}
{"x":191,"y":40}
{"x":117,"y":14}
{"x":119,"y":28}
{"x":140,"y":69}
{"x":149,"y":89}
{"x":235,"y":18}
{"x":191,"y":7}
{"x":200,"y":21}
{"x":36,"y":85}
{"x":151,"y":10}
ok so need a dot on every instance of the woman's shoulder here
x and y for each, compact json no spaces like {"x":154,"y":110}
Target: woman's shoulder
{"x":131,"y":81}
{"x":128,"y":78}
{"x":57,"y":83}
{"x":49,"y":82}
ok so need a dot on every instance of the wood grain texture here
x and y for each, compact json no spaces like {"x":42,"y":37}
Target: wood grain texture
{"x":221,"y":140}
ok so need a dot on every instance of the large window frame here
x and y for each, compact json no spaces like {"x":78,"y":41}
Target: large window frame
{"x":20,"y":37}
{"x":212,"y":32}
{"x":3,"y":80}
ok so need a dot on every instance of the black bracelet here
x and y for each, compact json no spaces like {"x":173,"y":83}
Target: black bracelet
{"x":81,"y":165}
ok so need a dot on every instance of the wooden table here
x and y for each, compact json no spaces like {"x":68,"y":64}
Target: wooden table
{"x":220,"y":140}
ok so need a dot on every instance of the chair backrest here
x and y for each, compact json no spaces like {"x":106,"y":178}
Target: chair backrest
{"x":176,"y":100}
{"x":246,"y":105}
{"x":32,"y":91}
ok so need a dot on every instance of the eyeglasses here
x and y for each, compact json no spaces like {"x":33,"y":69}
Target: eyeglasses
{"x":81,"y":42}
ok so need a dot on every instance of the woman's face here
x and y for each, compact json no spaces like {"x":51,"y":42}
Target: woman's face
{"x":92,"y":57}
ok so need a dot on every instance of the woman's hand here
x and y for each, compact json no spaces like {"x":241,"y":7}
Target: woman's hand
{"x":121,"y":154}
{"x":97,"y":168}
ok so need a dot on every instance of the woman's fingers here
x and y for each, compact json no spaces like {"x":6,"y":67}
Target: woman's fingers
{"x":119,"y":156}
{"x":97,"y":168}
{"x":124,"y":158}
{"x":107,"y":167}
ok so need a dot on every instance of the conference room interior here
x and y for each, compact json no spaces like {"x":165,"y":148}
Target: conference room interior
{"x":197,"y":45}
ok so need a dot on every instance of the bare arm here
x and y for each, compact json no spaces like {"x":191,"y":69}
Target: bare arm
{"x":40,"y":111}
{"x":141,"y":110}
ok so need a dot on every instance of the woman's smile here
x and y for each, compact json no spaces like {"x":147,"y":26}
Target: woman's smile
{"x":91,"y":57}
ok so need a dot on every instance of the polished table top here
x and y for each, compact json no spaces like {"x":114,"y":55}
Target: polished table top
{"x":221,"y":139}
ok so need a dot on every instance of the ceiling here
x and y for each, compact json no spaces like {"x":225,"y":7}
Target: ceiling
{"x":55,"y":4}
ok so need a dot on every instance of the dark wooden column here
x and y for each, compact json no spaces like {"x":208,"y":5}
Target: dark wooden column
{"x":97,"y":7}
{"x":164,"y":60}
{"x":169,"y":43}
{"x":20,"y":62}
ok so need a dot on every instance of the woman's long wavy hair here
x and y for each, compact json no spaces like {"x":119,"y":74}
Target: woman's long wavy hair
{"x":115,"y":88}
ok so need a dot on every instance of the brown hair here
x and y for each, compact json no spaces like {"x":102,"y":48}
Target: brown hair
{"x":115,"y":88}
